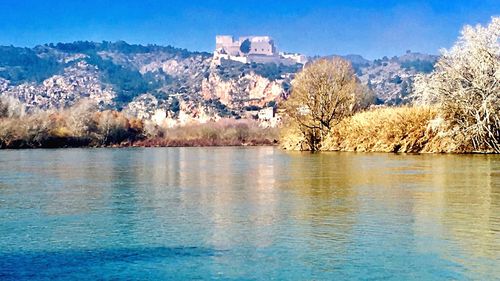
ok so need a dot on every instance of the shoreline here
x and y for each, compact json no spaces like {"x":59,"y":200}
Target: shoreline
{"x":145,"y":144}
{"x":215,"y":145}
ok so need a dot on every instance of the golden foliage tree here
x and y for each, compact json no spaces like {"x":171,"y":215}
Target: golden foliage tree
{"x":324,"y":93}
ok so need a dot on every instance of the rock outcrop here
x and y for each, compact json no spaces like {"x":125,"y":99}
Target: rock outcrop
{"x":78,"y":81}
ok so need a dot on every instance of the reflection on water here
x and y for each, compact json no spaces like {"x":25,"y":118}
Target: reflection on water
{"x":248,"y":212}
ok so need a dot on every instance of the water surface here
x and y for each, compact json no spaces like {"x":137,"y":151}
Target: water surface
{"x":247,"y":213}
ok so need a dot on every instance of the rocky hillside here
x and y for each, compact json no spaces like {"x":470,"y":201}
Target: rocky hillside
{"x":168,"y":84}
{"x":391,"y":80}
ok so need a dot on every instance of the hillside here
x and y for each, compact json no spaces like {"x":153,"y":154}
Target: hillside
{"x":167,"y":83}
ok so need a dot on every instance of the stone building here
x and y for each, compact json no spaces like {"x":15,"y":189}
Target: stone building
{"x":248,"y":49}
{"x":259,"y":45}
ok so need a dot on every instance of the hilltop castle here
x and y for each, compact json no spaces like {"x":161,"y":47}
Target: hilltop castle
{"x":248,"y":49}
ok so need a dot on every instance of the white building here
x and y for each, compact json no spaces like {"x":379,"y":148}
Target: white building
{"x":258,"y":49}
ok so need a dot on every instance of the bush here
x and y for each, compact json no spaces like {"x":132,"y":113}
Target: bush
{"x":10,"y":107}
{"x":246,"y":46}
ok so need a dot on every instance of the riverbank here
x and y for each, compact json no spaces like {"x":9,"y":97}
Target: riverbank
{"x":389,"y":129}
{"x":386,"y":129}
{"x":81,"y":128}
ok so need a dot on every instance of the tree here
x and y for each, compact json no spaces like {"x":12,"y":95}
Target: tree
{"x":11,"y":107}
{"x":324,"y":93}
{"x":112,"y":127}
{"x":246,"y":46}
{"x":466,"y":86}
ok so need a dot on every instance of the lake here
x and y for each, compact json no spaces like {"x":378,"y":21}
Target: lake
{"x":247,"y":213}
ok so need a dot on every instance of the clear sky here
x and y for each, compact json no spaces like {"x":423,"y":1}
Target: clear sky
{"x":370,"y":28}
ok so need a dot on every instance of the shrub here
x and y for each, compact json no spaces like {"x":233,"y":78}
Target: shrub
{"x":246,"y":46}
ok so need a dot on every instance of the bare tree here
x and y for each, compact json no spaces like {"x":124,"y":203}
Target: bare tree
{"x":80,"y":118}
{"x":466,"y":86}
{"x":11,"y":107}
{"x":324,"y":93}
{"x":112,"y":127}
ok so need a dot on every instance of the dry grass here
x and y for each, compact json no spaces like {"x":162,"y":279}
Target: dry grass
{"x":225,"y":132}
{"x":403,"y":129}
{"x":389,"y":129}
{"x":291,"y":137}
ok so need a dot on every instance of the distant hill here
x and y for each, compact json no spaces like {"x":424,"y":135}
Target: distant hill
{"x":145,"y":80}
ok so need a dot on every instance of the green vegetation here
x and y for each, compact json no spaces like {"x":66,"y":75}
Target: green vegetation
{"x":273,"y":71}
{"x":418,"y":65}
{"x":246,"y":46}
{"x":233,"y":70}
{"x":86,"y":47}
{"x":19,"y":65}
{"x":128,"y":83}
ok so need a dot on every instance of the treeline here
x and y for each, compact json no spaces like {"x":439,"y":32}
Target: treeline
{"x":19,"y":65}
{"x":225,"y":132}
{"x":85,"y":47}
{"x":83,"y":125}
{"x":78,"y":126}
{"x":418,"y":65}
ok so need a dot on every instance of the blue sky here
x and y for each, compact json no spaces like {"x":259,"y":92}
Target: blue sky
{"x":370,"y":28}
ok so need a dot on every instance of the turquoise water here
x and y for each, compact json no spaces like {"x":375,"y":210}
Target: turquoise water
{"x":247,"y":214}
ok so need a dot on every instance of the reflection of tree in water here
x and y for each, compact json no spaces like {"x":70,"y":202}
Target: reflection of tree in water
{"x":323,"y":208}
{"x":459,"y":211}
{"x":125,"y":194}
{"x":326,"y":181}
{"x":472,"y":207}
